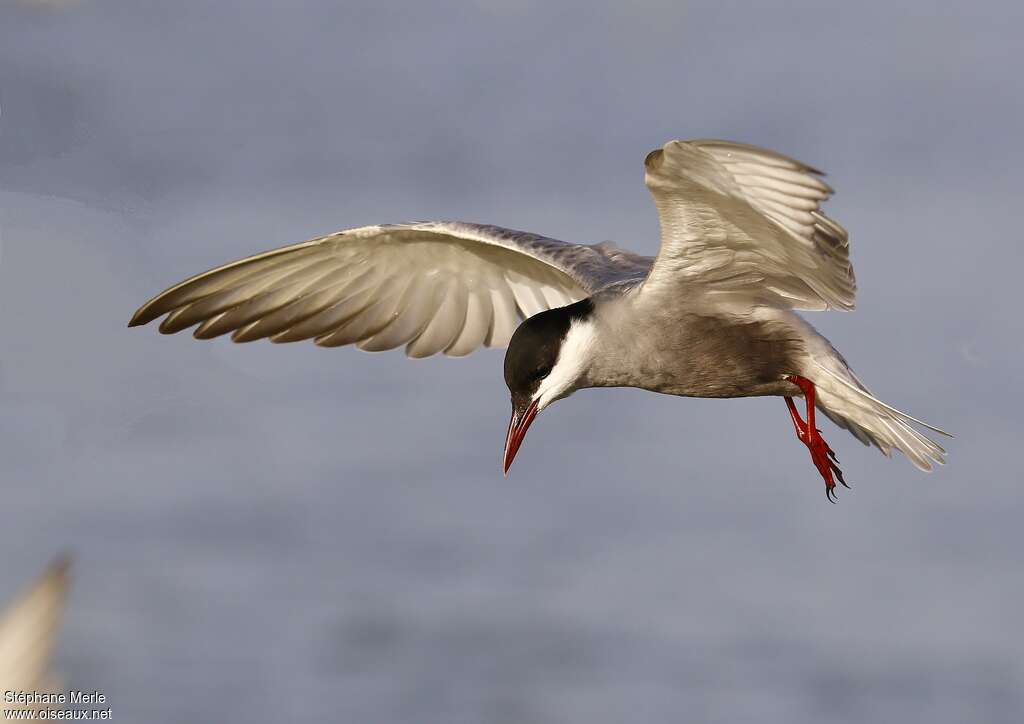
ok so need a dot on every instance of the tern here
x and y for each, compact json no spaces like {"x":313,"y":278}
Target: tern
{"x":743,"y":245}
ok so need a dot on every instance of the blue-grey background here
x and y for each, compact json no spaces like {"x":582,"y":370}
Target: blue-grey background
{"x":285,"y":533}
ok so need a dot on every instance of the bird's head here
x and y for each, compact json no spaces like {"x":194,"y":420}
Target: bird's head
{"x":546,"y":360}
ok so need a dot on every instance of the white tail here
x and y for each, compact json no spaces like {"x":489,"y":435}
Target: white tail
{"x":849,"y":404}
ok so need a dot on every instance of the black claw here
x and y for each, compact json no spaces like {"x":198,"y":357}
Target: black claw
{"x":832,"y":455}
{"x":839,"y":474}
{"x":830,"y":495}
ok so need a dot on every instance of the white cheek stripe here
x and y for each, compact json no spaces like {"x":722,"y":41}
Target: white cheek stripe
{"x":573,"y":359}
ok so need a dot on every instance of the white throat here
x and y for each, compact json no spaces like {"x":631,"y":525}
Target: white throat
{"x":573,"y":360}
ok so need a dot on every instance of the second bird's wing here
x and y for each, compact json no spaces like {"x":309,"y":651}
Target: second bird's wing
{"x":741,"y":219}
{"x":441,"y":286}
{"x":28,"y":632}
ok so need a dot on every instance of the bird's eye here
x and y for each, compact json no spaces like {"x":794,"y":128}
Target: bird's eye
{"x":541,"y":372}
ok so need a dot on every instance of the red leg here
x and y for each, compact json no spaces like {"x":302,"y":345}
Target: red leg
{"x":798,"y":423}
{"x":821,"y":454}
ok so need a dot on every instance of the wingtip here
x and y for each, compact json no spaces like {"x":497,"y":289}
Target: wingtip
{"x":140,"y":317}
{"x":653,"y":158}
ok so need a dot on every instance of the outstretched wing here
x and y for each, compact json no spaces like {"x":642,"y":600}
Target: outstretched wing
{"x":434,"y":287}
{"x":738,"y":218}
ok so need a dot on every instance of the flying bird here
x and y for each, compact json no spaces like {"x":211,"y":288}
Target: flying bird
{"x":744,"y":243}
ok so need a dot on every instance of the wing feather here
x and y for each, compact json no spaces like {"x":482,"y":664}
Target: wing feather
{"x":28,"y":631}
{"x":295,"y":311}
{"x":371,"y":319}
{"x":261,"y":305}
{"x":231,"y":276}
{"x":445,"y":325}
{"x":217,"y":302}
{"x":433,"y":286}
{"x":730,"y":209}
{"x":322,"y":323}
{"x":529,"y":298}
{"x":478,"y":322}
{"x":504,"y":318}
{"x":414,"y":312}
{"x":555,"y":297}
